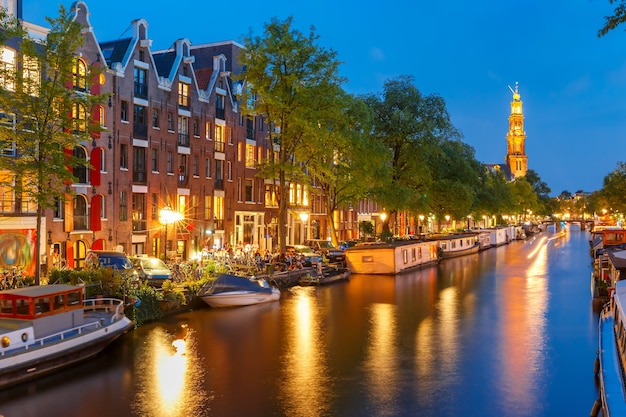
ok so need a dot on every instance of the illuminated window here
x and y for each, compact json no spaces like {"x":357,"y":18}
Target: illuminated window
{"x":7,"y":61}
{"x":79,"y":114}
{"x":79,"y":75}
{"x":250,"y":153}
{"x":183,"y":94}
{"x":31,"y":75}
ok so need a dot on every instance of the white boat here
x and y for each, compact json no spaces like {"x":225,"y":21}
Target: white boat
{"x":231,"y":291}
{"x":458,"y":244}
{"x":47,"y":327}
{"x":612,"y":354}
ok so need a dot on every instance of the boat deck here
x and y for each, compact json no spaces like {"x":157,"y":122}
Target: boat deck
{"x":612,"y":388}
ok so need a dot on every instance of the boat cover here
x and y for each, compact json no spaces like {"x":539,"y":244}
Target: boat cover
{"x":228,"y":283}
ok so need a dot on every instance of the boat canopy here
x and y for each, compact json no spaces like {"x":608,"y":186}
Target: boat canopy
{"x":228,"y":283}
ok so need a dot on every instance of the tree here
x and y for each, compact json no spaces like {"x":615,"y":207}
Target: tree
{"x":494,"y":195}
{"x":524,"y":198}
{"x":411,"y":126}
{"x":43,"y":119}
{"x":613,"y":192}
{"x":292,"y":82}
{"x":457,"y":172}
{"x":343,"y":160}
{"x":613,"y":21}
{"x":546,"y":205}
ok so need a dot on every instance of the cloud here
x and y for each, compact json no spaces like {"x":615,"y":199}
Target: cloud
{"x":377,"y":54}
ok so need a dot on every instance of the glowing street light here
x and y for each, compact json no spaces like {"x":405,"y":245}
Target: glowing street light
{"x":168,"y":216}
{"x":304,"y":217}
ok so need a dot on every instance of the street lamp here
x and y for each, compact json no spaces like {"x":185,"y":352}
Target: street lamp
{"x":168,"y":216}
{"x":447,"y":216}
{"x":421,"y":220}
{"x":304,"y":217}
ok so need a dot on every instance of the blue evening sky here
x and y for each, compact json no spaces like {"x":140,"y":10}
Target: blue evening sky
{"x":572,"y":83}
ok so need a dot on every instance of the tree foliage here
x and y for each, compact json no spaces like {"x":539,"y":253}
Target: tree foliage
{"x":411,"y":126}
{"x":40,"y":113}
{"x":293,"y":83}
{"x":617,"y":18}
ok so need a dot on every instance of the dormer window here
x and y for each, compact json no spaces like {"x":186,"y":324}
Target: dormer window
{"x":183,"y":95}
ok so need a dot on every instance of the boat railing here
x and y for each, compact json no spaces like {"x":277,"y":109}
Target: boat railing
{"x":56,"y":337}
{"x":114,"y":306}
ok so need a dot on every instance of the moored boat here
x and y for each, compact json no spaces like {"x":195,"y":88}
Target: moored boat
{"x":457,"y":244}
{"x":329,"y":275}
{"x":232,"y":291}
{"x":391,"y":258}
{"x":44,"y":328}
{"x":612,"y":354}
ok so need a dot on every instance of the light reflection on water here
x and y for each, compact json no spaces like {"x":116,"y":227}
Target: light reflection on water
{"x":169,"y":370}
{"x":508,"y":331}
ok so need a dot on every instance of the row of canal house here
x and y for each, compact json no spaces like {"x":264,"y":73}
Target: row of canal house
{"x":174,"y":142}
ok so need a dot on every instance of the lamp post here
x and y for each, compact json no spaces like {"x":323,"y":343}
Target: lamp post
{"x":167,"y":216}
{"x":304,"y":216}
{"x":421,"y":220}
{"x":447,"y":216}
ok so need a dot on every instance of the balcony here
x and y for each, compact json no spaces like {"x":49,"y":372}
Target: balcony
{"x":218,"y":224}
{"x":250,"y":133}
{"x":140,"y":131}
{"x":139,"y":177}
{"x":220,"y":146}
{"x":139,"y":226}
{"x":220,"y":113}
{"x":183,"y":180}
{"x":183,"y":139}
{"x":141,"y":90}
{"x":219,"y":184}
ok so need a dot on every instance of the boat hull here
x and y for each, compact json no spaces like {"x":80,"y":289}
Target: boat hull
{"x":36,"y":361}
{"x":325,"y":279}
{"x":461,"y":252}
{"x":240,"y":298}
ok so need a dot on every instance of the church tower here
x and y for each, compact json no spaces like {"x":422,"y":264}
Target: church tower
{"x":516,"y":157}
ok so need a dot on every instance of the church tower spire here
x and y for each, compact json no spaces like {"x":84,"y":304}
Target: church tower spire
{"x":516,"y":157}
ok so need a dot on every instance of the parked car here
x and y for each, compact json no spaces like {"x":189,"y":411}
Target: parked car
{"x":326,"y":249}
{"x":107,"y":259}
{"x":152,"y":270}
{"x":311,"y":258}
{"x":117,"y":261}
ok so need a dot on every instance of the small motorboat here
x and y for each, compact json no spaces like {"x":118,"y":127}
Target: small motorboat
{"x":232,"y":290}
{"x":47,"y":327}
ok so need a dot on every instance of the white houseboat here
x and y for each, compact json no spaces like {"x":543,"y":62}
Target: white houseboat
{"x":499,"y":235}
{"x":457,"y":244}
{"x":46,"y":327}
{"x":391,"y":258}
{"x":612,"y":355}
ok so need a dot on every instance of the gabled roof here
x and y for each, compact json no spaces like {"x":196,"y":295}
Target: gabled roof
{"x":115,"y":51}
{"x":504,"y":168}
{"x":164,"y":61}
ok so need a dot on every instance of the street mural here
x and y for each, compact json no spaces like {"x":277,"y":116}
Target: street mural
{"x":17,"y":250}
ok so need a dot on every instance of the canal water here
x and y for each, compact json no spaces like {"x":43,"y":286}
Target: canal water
{"x":507,"y":332}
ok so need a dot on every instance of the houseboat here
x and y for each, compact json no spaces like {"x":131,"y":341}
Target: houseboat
{"x":612,"y":355}
{"x":499,"y":235}
{"x":44,"y":328}
{"x":454,"y":245}
{"x":380,"y":258}
{"x":484,"y":239}
{"x":608,"y":238}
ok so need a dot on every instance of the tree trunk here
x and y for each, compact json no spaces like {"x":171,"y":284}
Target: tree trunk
{"x":283,"y":199}
{"x":38,"y":246}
